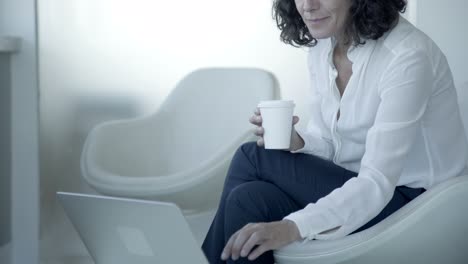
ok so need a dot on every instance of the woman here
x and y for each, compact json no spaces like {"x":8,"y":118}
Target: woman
{"x":385,"y":126}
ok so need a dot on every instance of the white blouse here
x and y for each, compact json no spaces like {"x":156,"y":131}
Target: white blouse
{"x":399,"y":124}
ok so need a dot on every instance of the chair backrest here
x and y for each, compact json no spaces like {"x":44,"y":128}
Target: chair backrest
{"x":463,"y":102}
{"x":209,"y":109}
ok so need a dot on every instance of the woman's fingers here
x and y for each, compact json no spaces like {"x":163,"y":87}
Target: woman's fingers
{"x":239,"y":243}
{"x":259,"y":251}
{"x":227,"y":251}
{"x":260,"y":142}
{"x":235,"y":247}
{"x":258,"y":131}
{"x":257,"y":111}
{"x":256,"y":120}
{"x":255,"y":239}
{"x":266,"y":236}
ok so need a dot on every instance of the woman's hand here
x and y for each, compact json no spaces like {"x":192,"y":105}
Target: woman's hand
{"x":296,"y":140}
{"x":266,"y":236}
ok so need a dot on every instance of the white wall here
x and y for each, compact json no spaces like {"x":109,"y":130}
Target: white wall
{"x":446,"y":22}
{"x":18,"y":18}
{"x":97,"y":56}
{"x":109,"y":59}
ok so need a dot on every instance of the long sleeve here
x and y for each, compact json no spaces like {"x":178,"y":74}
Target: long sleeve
{"x":316,"y":136}
{"x":404,"y":90}
{"x":316,"y":142}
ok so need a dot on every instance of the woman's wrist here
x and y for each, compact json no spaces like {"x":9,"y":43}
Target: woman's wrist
{"x":296,"y":141}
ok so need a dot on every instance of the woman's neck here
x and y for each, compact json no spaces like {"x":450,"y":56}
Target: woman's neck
{"x":342,"y":44}
{"x":343,"y":39}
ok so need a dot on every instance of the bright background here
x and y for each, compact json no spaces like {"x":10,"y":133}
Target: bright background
{"x":112,"y":59}
{"x":108,"y":59}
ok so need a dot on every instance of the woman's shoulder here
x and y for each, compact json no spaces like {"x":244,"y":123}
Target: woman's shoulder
{"x":405,"y":38}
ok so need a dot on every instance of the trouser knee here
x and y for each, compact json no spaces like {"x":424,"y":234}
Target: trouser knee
{"x":252,"y":201}
{"x":245,"y":150}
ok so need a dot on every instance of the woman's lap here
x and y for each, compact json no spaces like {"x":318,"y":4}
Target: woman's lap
{"x":305,"y":178}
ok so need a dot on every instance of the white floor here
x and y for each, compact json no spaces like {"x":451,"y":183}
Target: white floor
{"x":60,"y":243}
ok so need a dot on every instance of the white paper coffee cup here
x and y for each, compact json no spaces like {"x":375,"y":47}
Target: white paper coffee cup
{"x":277,"y":118}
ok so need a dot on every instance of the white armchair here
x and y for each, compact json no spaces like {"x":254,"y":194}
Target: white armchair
{"x":433,"y":228}
{"x":180,"y":153}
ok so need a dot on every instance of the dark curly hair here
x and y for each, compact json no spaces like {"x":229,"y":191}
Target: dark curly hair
{"x":369,"y":19}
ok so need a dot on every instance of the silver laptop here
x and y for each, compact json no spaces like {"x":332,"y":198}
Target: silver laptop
{"x":123,"y":231}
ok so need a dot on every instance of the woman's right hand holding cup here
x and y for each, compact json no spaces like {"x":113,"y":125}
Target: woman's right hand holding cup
{"x":256,"y":119}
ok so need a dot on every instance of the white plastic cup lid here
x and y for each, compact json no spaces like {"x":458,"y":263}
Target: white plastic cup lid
{"x":276,"y":104}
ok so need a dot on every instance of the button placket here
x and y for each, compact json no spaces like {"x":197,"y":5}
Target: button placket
{"x":337,"y":101}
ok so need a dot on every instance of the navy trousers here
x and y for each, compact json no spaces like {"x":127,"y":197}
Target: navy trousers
{"x":267,"y":185}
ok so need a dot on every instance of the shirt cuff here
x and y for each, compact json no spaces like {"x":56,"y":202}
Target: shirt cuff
{"x":312,"y":222}
{"x":307,"y":144}
{"x":314,"y":145}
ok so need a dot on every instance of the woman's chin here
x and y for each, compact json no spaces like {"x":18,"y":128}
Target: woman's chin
{"x":319,"y":34}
